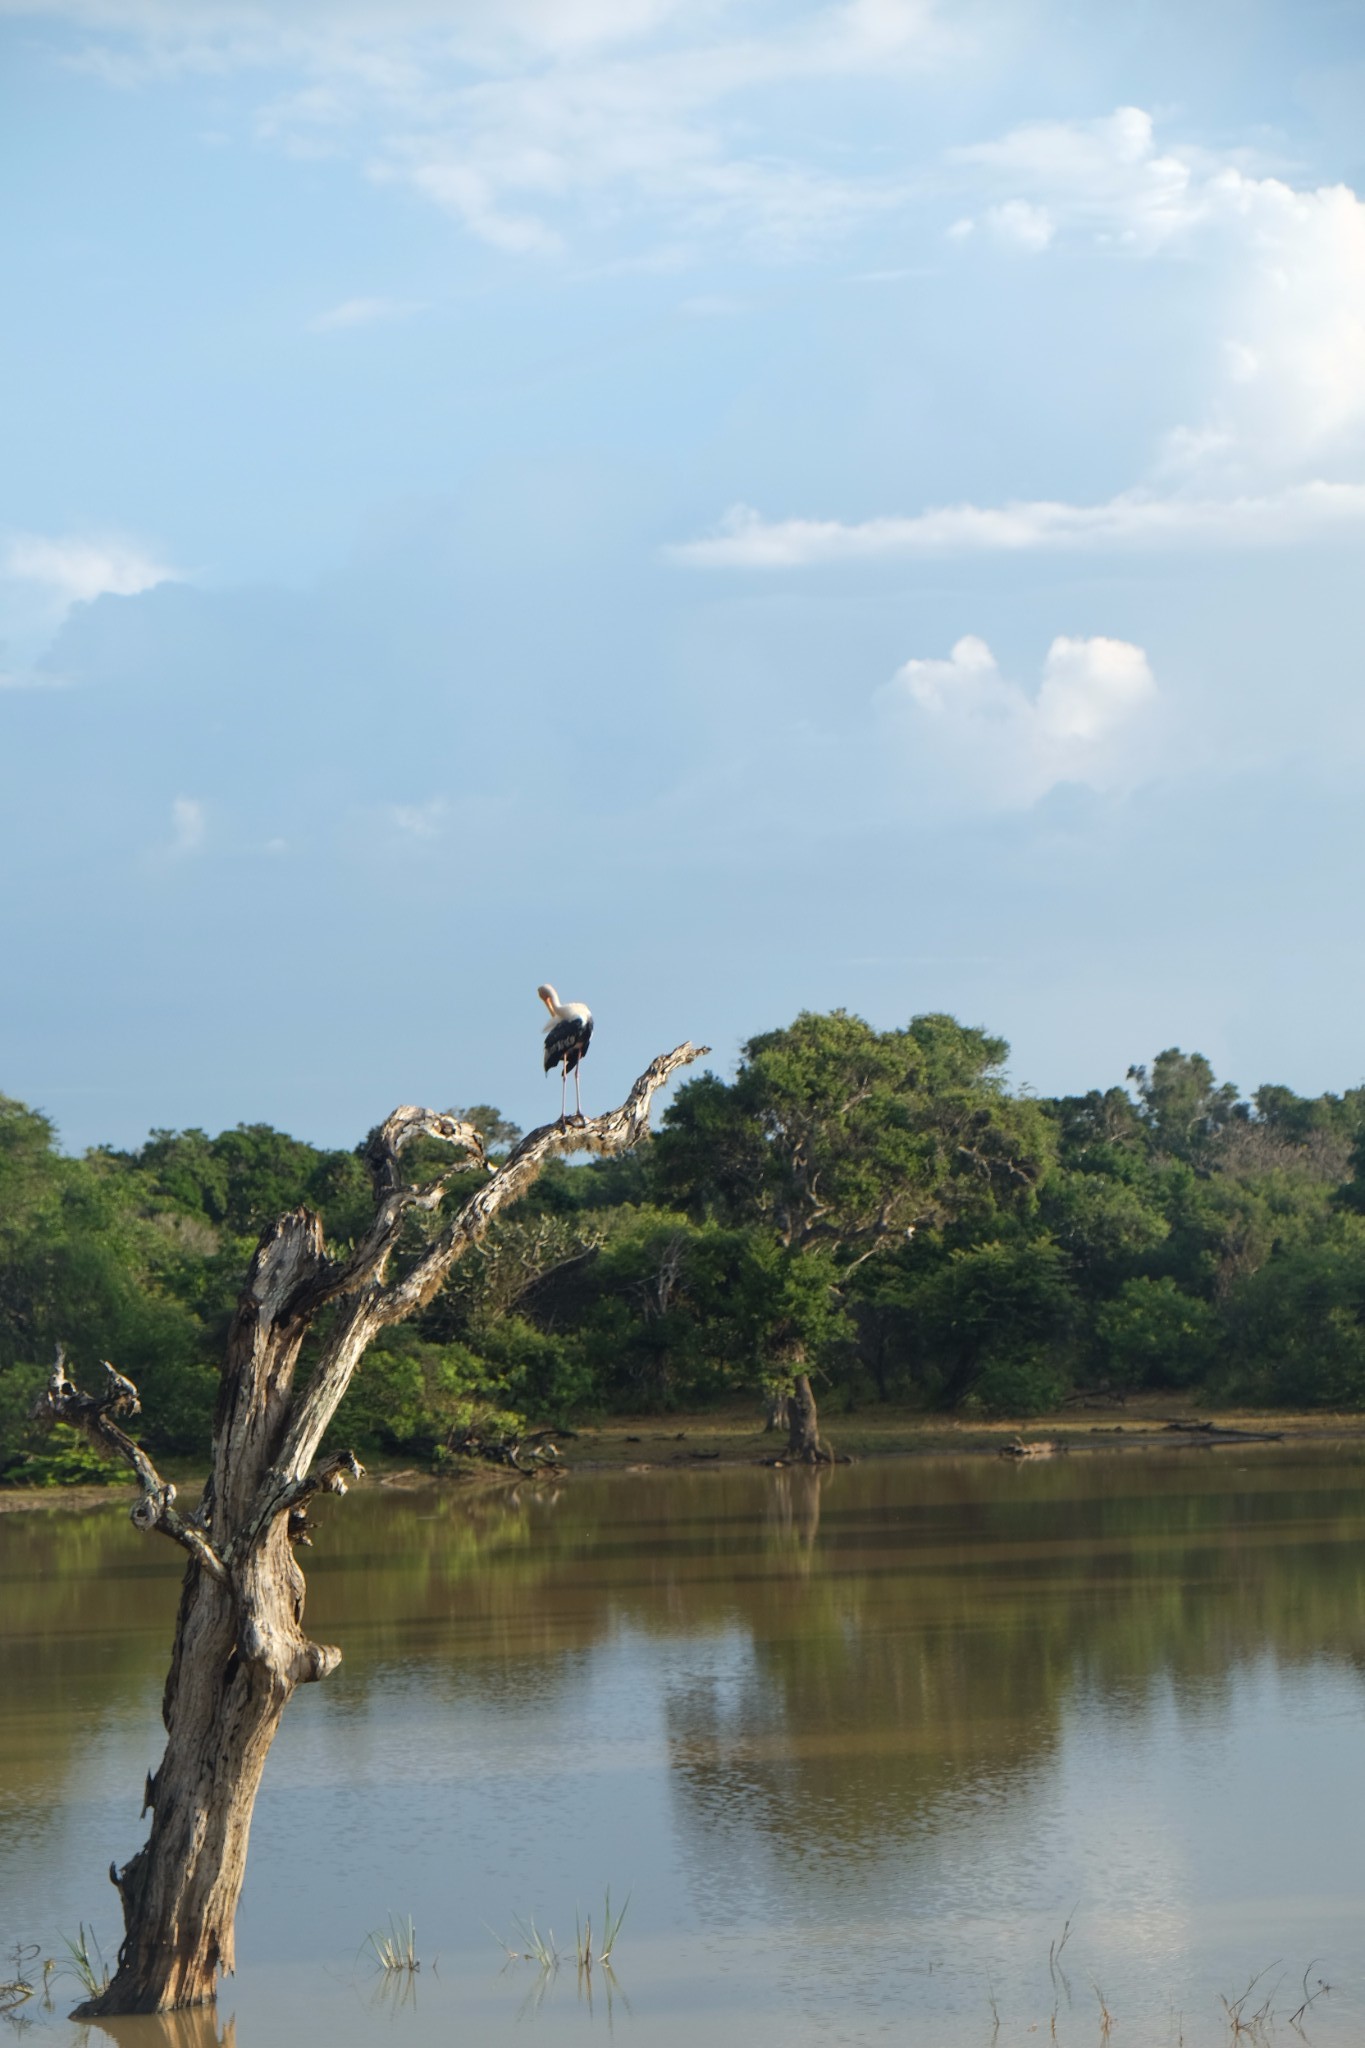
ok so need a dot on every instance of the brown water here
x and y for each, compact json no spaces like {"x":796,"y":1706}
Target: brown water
{"x":856,"y":1744}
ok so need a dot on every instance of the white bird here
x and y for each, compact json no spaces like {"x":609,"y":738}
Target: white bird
{"x":567,"y":1036}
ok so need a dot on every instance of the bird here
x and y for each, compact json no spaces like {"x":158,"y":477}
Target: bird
{"x":567,"y":1036}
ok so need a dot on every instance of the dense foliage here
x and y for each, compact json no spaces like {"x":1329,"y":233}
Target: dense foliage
{"x":874,"y":1206}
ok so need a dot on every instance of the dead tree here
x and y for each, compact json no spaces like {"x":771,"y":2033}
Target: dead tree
{"x":240,"y":1647}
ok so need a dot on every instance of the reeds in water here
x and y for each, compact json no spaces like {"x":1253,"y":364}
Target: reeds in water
{"x":394,"y":1947}
{"x":86,"y":1961}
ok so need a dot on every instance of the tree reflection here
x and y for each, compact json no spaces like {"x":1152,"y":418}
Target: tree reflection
{"x":197,"y":2027}
{"x":871,"y":1650}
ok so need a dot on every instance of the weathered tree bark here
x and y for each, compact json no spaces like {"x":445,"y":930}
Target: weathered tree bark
{"x":803,"y":1441}
{"x":240,"y":1647}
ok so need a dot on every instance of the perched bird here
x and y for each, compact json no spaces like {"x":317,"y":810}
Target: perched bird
{"x":567,"y":1036}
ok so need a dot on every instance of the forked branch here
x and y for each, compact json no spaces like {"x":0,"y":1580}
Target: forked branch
{"x":387,"y":1140}
{"x":94,"y":1415}
{"x":393,"y":1199}
{"x":616,"y":1131}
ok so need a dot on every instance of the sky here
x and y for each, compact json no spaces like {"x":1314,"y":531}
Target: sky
{"x":727,"y":506}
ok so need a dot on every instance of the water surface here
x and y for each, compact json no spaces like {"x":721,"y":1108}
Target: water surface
{"x":857,"y":1744}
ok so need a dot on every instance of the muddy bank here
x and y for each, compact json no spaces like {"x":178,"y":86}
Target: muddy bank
{"x":648,"y":1443}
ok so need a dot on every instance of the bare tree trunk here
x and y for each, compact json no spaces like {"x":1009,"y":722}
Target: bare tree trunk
{"x":240,"y":1647}
{"x":803,"y":1441}
{"x":777,"y":1411}
{"x":180,"y":1891}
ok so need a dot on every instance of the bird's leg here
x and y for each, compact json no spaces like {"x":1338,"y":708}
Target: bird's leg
{"x":578,"y":1097}
{"x":563,"y":1092}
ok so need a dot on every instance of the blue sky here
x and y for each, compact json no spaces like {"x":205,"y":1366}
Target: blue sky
{"x":726,"y":507}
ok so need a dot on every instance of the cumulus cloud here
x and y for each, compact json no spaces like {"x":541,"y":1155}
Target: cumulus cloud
{"x":1289,"y":383}
{"x":1019,"y":224}
{"x":73,"y":570}
{"x":1278,"y":451}
{"x":42,"y":576}
{"x":972,"y":735}
{"x":1105,"y":176}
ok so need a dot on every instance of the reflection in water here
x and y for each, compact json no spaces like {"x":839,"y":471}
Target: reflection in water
{"x":198,"y":2028}
{"x":393,"y":1991}
{"x":861,"y":1739}
{"x":794,"y":1509}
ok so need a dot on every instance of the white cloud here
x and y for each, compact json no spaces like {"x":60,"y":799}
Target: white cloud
{"x":42,"y":576}
{"x":363,"y":313}
{"x":1289,"y":385}
{"x":74,"y":570}
{"x":1106,"y":176}
{"x":424,"y":821}
{"x":972,"y":736}
{"x":261,"y":31}
{"x":1017,"y":222}
{"x":1133,"y":519}
{"x":1293,"y":363}
{"x":525,"y":120}
{"x":1277,"y":454}
{"x":188,"y":825}
{"x":469,"y":194}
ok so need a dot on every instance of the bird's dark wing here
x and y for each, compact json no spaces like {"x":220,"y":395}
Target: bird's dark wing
{"x":566,"y":1042}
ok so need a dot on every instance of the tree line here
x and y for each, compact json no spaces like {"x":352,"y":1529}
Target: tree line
{"x":876,"y":1208}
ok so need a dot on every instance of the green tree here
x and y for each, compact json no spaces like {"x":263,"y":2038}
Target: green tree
{"x":838,"y":1143}
{"x":1182,"y":1105}
{"x":997,"y":1321}
{"x":1154,"y":1334}
{"x":837,"y":1135}
{"x":1298,"y":1322}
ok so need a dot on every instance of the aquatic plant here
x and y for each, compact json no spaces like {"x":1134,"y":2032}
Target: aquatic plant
{"x":540,"y":1948}
{"x":394,"y":1947}
{"x":16,"y":1989}
{"x":87,"y":1961}
{"x":1310,"y":1998}
{"x":611,"y":1928}
{"x":1254,"y":2024}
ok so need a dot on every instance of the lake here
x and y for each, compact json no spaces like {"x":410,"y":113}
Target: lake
{"x":857,"y":1745}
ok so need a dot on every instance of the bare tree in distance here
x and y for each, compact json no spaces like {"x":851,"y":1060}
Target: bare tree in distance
{"x":240,"y":1648}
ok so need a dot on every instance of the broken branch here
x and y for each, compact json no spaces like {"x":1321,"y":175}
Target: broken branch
{"x":616,"y":1131}
{"x":93,"y":1414}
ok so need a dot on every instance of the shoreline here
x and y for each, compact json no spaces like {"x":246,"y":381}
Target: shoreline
{"x":733,"y":1437}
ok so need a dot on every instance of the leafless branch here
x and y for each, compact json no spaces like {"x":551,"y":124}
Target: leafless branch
{"x":374,"y":1306}
{"x":94,"y":1415}
{"x":616,"y":1131}
{"x":393,"y":1199}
